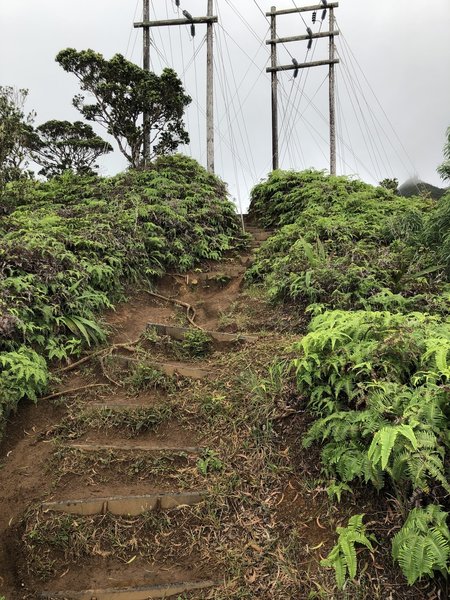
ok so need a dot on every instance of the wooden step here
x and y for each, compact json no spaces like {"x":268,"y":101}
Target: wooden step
{"x":179,"y":333}
{"x":215,"y":276}
{"x":169,"y":368}
{"x":124,"y":505}
{"x":135,"y":448}
{"x":183,"y":369}
{"x":140,"y":593}
{"x":115,"y":406}
{"x":261,"y":236}
{"x":246,"y":261}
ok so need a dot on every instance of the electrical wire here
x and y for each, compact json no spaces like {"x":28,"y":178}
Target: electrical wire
{"x":170,"y":36}
{"x":132,"y":29}
{"x":302,"y":86}
{"x":377,"y":100}
{"x":224,"y":88}
{"x":196,"y":91}
{"x":203,"y":113}
{"x":243,"y":130}
{"x":377,"y":150}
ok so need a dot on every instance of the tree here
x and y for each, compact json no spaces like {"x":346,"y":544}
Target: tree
{"x":444,"y":169}
{"x":122,"y":92}
{"x":390,"y":184}
{"x":60,"y":146}
{"x":15,"y":131}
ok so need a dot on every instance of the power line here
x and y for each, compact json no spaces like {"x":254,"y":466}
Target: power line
{"x":377,"y":101}
{"x":132,"y":28}
{"x":305,"y":79}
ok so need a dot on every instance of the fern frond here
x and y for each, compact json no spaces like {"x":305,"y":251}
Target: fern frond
{"x":422,"y":546}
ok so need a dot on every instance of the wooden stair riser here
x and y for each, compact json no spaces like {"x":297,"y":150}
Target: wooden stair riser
{"x":179,"y":333}
{"x":140,"y":593}
{"x":124,"y":505}
{"x":134,"y":448}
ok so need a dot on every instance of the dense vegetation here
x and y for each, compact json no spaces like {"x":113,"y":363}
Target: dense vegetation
{"x":68,"y":246}
{"x":345,"y":244}
{"x":372,"y":270}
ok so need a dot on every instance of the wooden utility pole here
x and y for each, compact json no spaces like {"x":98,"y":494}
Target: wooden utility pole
{"x":210,"y":92}
{"x":146,"y":66}
{"x":331,"y":62}
{"x":332,"y":98}
{"x":273,"y":34}
{"x":209,"y":20}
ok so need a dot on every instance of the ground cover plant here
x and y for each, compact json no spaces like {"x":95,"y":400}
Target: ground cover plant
{"x":346,"y":244}
{"x":371,"y":270}
{"x":377,"y":384}
{"x":68,"y":247}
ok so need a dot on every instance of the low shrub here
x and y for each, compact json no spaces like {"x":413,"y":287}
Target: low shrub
{"x":68,"y":246}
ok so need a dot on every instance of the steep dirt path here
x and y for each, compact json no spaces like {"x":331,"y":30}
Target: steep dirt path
{"x":110,"y":459}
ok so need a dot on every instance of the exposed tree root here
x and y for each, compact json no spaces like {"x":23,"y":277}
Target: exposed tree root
{"x":103,"y":351}
{"x":105,"y":371}
{"x":191,"y":313}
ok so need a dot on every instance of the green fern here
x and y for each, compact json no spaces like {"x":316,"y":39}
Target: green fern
{"x":422,"y":546}
{"x":335,"y":490}
{"x":384,"y":440}
{"x":342,"y":557}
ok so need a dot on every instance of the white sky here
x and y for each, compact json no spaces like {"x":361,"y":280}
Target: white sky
{"x":402,"y":47}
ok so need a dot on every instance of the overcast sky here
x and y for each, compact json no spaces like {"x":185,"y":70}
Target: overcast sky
{"x":393,"y":82}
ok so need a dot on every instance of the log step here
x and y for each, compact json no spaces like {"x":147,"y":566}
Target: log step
{"x":179,"y":333}
{"x":124,"y":505}
{"x":214,"y":276}
{"x":261,"y":236}
{"x":183,"y":370}
{"x":170,"y":369}
{"x":139,"y":593}
{"x":94,"y":406}
{"x":134,"y":448}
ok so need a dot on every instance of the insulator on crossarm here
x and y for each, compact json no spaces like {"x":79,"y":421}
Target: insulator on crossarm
{"x":325,"y":2}
{"x":295,"y":62}
{"x":177,"y":3}
{"x":187,"y":15}
{"x":314,"y":16}
{"x":324,"y":14}
{"x":193,"y":30}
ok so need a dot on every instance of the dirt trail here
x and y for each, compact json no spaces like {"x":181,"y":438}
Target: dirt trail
{"x":53,"y":453}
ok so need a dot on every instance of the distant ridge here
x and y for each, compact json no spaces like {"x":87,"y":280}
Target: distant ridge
{"x":415,"y":187}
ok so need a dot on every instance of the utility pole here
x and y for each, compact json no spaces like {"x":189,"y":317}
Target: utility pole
{"x":146,"y":66}
{"x":210,"y":91}
{"x":332,"y":98}
{"x":209,"y":20}
{"x":295,"y":66}
{"x":273,"y":47}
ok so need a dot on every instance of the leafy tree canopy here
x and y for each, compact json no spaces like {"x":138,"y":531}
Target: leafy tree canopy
{"x":60,"y":146}
{"x":15,"y":130}
{"x":390,"y":184}
{"x":122,"y":92}
{"x":444,"y":169}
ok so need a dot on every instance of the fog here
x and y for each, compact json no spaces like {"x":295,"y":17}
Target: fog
{"x":393,"y":87}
